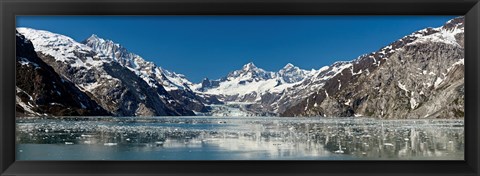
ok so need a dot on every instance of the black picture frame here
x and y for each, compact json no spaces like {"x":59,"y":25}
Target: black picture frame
{"x":11,"y":8}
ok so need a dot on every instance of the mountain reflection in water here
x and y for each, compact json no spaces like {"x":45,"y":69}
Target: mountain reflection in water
{"x":238,"y":138}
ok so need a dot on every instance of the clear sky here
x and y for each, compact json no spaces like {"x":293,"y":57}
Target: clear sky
{"x":212,"y":46}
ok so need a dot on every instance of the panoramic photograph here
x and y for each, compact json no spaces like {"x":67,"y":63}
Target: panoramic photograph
{"x":240,"y":88}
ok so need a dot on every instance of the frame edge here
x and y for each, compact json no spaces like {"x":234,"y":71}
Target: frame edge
{"x":7,"y":133}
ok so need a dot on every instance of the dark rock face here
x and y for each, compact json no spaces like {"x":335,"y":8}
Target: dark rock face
{"x":210,"y":99}
{"x":41,"y":91}
{"x":208,"y":84}
{"x":135,"y":97}
{"x":189,"y":100}
{"x":419,"y":76}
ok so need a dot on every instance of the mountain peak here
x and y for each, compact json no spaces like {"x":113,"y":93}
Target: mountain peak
{"x":250,"y":71}
{"x":457,"y":22}
{"x":94,"y":38}
{"x":249,"y":66}
{"x":288,"y":66}
{"x":290,"y":73}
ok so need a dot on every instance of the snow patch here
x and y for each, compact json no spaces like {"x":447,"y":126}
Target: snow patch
{"x":413,"y":103}
{"x":401,"y":86}
{"x":359,"y":72}
{"x":459,"y":62}
{"x":25,"y":107}
{"x":306,"y":106}
{"x":25,"y":61}
{"x":438,"y":81}
{"x":90,"y":86}
{"x":20,"y":90}
{"x":441,"y":35}
{"x":61,"y":47}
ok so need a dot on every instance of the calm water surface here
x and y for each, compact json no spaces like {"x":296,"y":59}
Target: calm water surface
{"x":238,"y":138}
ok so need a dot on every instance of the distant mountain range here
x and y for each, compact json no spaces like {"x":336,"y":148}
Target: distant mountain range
{"x":419,"y":76}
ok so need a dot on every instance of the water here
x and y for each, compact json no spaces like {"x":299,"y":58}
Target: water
{"x":238,"y":138}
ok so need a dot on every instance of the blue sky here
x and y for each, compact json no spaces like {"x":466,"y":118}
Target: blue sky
{"x":212,"y":46}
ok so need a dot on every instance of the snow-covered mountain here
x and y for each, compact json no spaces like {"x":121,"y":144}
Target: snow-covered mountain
{"x":251,"y":79}
{"x":419,"y":76}
{"x":250,"y":72}
{"x":149,"y":72}
{"x":175,"y":84}
{"x":109,"y":80}
{"x":292,"y":74}
{"x":253,"y":88}
{"x":363,"y":86}
{"x":41,"y":91}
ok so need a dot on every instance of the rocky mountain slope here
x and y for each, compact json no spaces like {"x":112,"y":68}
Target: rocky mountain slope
{"x":175,"y":84}
{"x":104,"y":78}
{"x":41,"y":91}
{"x":418,"y":76}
